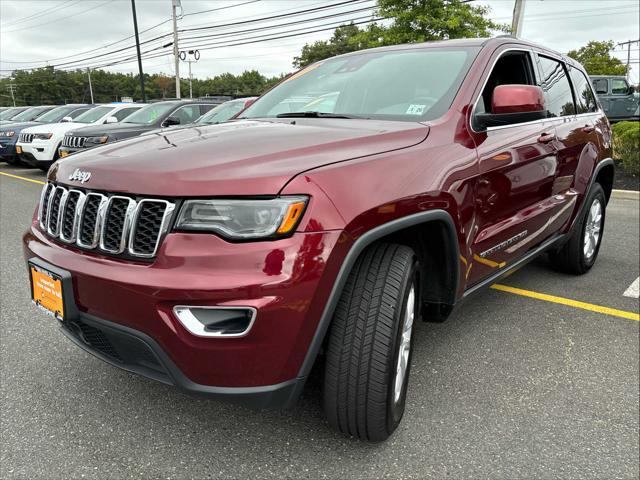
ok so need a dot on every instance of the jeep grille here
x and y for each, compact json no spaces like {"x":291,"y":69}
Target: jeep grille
{"x":108,"y":223}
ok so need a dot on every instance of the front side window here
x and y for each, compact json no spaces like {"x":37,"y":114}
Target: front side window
{"x":187,"y":114}
{"x":556,"y":87}
{"x":93,"y":115}
{"x":585,"y":100}
{"x":150,"y":114}
{"x":619,"y":86}
{"x":601,"y":86}
{"x":405,"y":85}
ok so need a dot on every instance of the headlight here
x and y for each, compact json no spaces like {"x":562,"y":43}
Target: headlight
{"x":102,"y":139}
{"x":243,"y":219}
{"x":9,"y":133}
{"x":43,"y":136}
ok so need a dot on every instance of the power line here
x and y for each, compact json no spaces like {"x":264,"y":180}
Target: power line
{"x":260,"y":19}
{"x":58,"y":19}
{"x":102,"y":61}
{"x":220,"y":8}
{"x":41,"y":13}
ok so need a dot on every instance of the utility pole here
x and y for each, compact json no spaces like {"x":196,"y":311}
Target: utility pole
{"x":518,"y":17}
{"x":90,"y":87}
{"x":176,"y":53}
{"x":135,"y":29}
{"x":628,"y":43}
{"x":10,"y":88}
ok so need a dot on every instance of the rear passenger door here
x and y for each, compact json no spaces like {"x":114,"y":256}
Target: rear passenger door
{"x":517,"y":168}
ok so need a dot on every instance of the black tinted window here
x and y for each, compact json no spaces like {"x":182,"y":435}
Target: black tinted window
{"x":619,"y":86}
{"x":600,"y":85}
{"x":124,"y":113}
{"x":585,"y":101}
{"x":78,"y":112}
{"x":556,"y":87}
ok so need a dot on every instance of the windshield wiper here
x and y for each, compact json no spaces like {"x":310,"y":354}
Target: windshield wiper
{"x":314,"y":115}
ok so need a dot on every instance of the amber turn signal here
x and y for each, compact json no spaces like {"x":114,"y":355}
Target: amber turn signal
{"x":291,"y":217}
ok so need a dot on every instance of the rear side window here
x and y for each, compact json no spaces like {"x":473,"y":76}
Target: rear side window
{"x":556,"y":87}
{"x":619,"y":86}
{"x":585,"y":100}
{"x":124,"y":113}
{"x":205,"y":107}
{"x":601,"y":86}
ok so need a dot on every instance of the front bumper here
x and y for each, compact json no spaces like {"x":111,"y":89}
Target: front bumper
{"x":7,"y":147}
{"x":66,"y":151}
{"x":37,"y":151}
{"x":130,"y":304}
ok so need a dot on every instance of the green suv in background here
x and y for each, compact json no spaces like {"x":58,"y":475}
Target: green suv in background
{"x":619,"y":100}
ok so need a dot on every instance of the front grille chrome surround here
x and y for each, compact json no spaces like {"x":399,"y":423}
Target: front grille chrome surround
{"x":90,"y":224}
{"x":116,"y":224}
{"x":73,"y":141}
{"x":134,"y":247}
{"x":71,"y":214}
{"x":113,"y":224}
{"x":57,"y":198}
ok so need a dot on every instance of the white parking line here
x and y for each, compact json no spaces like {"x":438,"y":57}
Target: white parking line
{"x":634,"y":289}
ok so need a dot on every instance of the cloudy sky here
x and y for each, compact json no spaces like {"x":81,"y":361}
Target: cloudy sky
{"x":72,"y":33}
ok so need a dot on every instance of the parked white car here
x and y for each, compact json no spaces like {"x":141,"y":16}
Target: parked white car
{"x":38,"y":146}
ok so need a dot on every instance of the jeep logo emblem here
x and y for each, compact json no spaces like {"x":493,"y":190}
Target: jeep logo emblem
{"x":80,"y":176}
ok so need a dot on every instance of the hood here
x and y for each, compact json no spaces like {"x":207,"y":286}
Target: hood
{"x":56,"y":128}
{"x":114,"y":130}
{"x":246,"y":157}
{"x":17,"y":127}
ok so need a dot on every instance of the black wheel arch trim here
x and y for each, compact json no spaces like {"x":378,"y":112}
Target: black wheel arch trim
{"x":361,"y":243}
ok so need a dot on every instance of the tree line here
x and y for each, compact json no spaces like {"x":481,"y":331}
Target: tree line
{"x":48,"y":86}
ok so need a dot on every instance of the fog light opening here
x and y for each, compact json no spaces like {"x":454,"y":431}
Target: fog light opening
{"x":221,"y":322}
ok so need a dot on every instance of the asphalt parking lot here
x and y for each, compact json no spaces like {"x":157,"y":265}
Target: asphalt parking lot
{"x":511,"y":386}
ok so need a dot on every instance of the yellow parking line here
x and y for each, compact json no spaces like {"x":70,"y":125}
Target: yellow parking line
{"x":22,"y":178}
{"x":566,"y":301}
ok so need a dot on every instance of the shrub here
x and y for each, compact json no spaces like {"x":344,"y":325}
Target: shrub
{"x":626,"y":146}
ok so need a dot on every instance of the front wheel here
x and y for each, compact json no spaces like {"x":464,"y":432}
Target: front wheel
{"x":369,"y":353}
{"x":579,"y":254}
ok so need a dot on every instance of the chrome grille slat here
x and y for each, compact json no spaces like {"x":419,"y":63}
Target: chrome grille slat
{"x":113,"y":224}
{"x":25,"y":137}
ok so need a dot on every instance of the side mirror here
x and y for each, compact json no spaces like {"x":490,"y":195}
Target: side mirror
{"x":513,"y":104}
{"x":171,"y":121}
{"x":67,"y":119}
{"x":632,"y":89}
{"x":111,"y":119}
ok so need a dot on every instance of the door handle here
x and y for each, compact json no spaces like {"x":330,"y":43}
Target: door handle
{"x":588,"y":129}
{"x":546,"y":138}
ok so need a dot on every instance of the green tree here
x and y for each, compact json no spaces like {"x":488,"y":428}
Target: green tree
{"x":596,"y":58}
{"x":341,"y":42}
{"x":410,"y":21}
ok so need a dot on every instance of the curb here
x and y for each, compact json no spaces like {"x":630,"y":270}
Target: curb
{"x":625,"y":194}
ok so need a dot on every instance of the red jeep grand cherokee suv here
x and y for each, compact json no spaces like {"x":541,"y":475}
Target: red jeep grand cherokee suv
{"x":358,"y":195}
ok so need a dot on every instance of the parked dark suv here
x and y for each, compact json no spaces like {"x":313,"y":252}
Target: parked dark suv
{"x":150,"y":117}
{"x":223,"y":259}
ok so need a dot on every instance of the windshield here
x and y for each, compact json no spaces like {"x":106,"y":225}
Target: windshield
{"x":93,"y":115}
{"x":223,"y":112}
{"x":10,"y":113}
{"x":55,"y":115}
{"x":407,"y":85}
{"x":29,"y":114}
{"x":150,"y":114}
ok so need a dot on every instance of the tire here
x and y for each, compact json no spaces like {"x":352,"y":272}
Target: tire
{"x":11,"y":160}
{"x":45,"y":166}
{"x":361,"y":398}
{"x":576,"y":256}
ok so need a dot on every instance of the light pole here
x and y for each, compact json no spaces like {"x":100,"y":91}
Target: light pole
{"x":174,"y":5}
{"x":196,"y":56}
